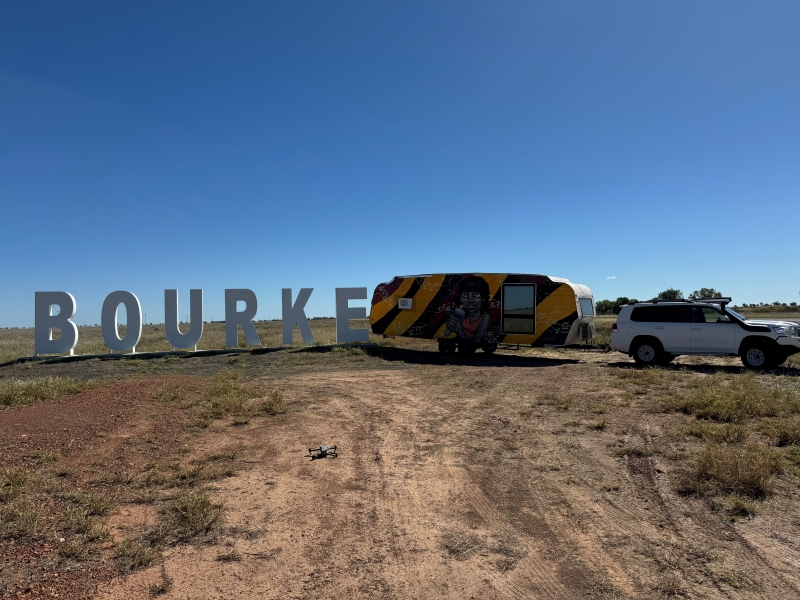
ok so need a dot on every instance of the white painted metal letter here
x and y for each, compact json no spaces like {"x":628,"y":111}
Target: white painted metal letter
{"x":174,"y":335}
{"x":109,"y":316}
{"x":245,"y":318}
{"x":45,"y":321}
{"x":296,"y":315}
{"x":344,"y":313}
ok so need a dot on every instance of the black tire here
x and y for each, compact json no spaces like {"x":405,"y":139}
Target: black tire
{"x":447,"y":346}
{"x":489,"y":348}
{"x":759,"y":357}
{"x":668,"y":358}
{"x":466,"y":347}
{"x":647,"y":352}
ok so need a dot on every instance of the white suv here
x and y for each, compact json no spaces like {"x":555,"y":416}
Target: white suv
{"x":656,"y":332}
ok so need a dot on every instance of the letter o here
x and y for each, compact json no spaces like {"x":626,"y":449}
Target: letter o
{"x":108,"y":321}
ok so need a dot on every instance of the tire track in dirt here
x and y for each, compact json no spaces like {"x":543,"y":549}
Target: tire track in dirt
{"x":533,"y":569}
{"x":544,"y":501}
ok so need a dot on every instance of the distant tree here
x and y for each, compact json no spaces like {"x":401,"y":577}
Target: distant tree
{"x":604,"y":307}
{"x":622,"y":301}
{"x":705,"y":293}
{"x":776,"y":303}
{"x":612,"y":307}
{"x":792,"y":303}
{"x":670,"y":294}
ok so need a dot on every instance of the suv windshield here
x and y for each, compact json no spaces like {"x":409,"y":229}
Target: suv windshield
{"x":735,"y":314}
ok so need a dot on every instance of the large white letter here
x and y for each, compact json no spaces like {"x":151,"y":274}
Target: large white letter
{"x":45,"y":322}
{"x":245,"y":318}
{"x":174,"y":335}
{"x":109,"y":316}
{"x":344,"y":313}
{"x":296,"y":315}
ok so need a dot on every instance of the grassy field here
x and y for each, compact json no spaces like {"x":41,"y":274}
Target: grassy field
{"x":15,"y":343}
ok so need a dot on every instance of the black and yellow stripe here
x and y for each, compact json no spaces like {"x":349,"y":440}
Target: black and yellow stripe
{"x":434,"y":296}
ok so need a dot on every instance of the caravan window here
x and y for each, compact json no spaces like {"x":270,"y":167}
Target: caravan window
{"x":519,"y":308}
{"x":587,"y":310}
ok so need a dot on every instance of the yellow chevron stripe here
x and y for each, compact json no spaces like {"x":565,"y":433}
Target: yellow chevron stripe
{"x":421,"y":300}
{"x":380,"y":309}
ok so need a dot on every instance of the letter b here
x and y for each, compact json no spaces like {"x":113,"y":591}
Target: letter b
{"x":45,"y":321}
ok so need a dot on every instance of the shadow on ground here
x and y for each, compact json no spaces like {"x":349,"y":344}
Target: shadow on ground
{"x":707,"y":369}
{"x":479,"y":359}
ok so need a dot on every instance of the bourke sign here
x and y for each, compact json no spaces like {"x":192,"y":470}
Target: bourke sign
{"x":292,"y":314}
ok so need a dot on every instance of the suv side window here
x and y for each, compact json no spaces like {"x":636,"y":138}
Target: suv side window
{"x":662,"y":314}
{"x":706,"y":314}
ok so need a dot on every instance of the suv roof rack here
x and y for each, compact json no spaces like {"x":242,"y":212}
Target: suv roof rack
{"x":722,"y":301}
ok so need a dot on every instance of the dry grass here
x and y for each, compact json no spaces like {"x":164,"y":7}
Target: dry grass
{"x":738,"y":507}
{"x":226,"y":395}
{"x":231,"y":556}
{"x":735,"y":399}
{"x":13,"y":483}
{"x":739,"y":580}
{"x":728,"y":433}
{"x":671,"y":585}
{"x":745,"y":470}
{"x":30,"y":391}
{"x":191,"y":513}
{"x":786,"y":432}
{"x":163,"y":585}
{"x":510,"y":550}
{"x":274,"y":404}
{"x":34,"y":507}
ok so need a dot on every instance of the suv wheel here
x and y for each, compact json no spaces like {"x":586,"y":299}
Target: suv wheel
{"x":758,"y":356}
{"x":647,"y":352}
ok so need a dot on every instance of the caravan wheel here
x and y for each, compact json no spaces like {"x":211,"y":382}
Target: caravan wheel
{"x":447,"y":346}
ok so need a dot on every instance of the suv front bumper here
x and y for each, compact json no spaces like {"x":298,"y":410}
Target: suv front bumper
{"x":789,"y":344}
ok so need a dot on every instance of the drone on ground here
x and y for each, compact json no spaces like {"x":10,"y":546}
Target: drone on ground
{"x":322,"y":452}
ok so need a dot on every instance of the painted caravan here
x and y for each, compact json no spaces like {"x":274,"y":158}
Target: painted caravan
{"x":467,"y":311}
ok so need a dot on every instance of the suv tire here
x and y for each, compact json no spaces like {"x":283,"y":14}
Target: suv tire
{"x":668,"y":358}
{"x":647,"y":352}
{"x":758,"y":356}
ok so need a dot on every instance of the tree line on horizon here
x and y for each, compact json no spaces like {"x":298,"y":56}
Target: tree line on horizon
{"x":612,"y":307}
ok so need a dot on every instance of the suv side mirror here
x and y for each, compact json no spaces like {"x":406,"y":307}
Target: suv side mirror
{"x":724,"y":319}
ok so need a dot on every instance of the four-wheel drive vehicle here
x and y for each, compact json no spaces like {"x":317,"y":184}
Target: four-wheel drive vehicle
{"x":656,"y":332}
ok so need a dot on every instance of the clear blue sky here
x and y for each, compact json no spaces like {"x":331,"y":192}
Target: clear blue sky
{"x":629,"y":146}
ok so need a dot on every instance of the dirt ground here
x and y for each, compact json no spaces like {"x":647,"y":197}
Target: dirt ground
{"x":548,"y":474}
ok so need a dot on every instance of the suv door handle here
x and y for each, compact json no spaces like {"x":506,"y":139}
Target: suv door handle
{"x":657,"y":327}
{"x":697,"y":329}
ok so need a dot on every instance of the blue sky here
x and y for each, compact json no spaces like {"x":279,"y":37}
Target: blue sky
{"x":629,"y":146}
